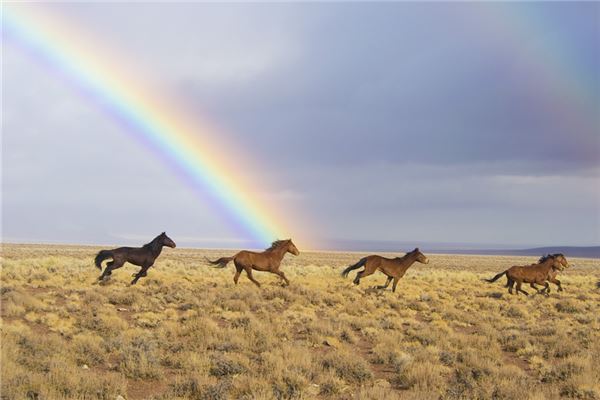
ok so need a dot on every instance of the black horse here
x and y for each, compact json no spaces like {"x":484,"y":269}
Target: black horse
{"x":143,"y":256}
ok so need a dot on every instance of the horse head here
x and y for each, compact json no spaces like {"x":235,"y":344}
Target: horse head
{"x":420,"y":256}
{"x":167,"y":241}
{"x":291,"y":248}
{"x":560,"y":262}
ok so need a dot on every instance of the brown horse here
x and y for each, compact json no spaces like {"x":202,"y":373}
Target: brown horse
{"x":538,"y":273}
{"x":142,"y":256}
{"x":394,"y":268}
{"x":551,"y":275}
{"x":268,"y":260}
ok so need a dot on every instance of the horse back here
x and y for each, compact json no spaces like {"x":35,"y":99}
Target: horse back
{"x":390,"y":266}
{"x":121,"y":250}
{"x":375,"y":261}
{"x":253,"y":259}
{"x":535,"y":273}
{"x":134,"y":255}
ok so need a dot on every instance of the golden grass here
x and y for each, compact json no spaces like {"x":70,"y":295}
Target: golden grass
{"x":187,"y":332}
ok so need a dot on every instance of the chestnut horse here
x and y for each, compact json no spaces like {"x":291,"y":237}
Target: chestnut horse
{"x":142,"y":256}
{"x":394,"y":268}
{"x":268,"y":260}
{"x":533,"y":274}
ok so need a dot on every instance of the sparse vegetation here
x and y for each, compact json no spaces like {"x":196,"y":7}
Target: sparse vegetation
{"x":187,"y":332}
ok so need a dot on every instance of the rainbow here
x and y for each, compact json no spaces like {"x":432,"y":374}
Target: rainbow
{"x":192,"y":148}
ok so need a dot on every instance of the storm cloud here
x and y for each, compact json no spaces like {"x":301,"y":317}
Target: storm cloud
{"x":440,"y":122}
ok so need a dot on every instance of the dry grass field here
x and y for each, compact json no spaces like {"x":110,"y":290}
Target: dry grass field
{"x":186,"y":332}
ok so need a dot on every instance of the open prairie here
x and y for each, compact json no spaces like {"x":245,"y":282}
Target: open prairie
{"x":187,"y":332}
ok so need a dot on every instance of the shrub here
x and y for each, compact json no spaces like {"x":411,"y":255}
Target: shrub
{"x":350,"y":369}
{"x":225,"y":367}
{"x":567,"y":306}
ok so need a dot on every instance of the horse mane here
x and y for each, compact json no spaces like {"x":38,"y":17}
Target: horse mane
{"x":547,"y":256}
{"x":277,"y":244}
{"x":406,"y":254}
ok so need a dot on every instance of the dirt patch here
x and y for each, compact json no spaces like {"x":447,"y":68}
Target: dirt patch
{"x":364,"y":348}
{"x":222,"y":322}
{"x":139,"y":390}
{"x":126,"y":314}
{"x":511,"y":358}
{"x":465,"y":330}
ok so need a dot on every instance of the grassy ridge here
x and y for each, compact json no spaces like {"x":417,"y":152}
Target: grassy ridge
{"x":187,"y":332}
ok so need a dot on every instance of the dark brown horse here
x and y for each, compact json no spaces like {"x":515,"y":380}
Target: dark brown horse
{"x":538,"y":273}
{"x":142,"y":256}
{"x":394,"y":268}
{"x":269,"y":260}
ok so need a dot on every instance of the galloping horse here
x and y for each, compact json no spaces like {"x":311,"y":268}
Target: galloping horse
{"x":394,"y":268}
{"x":269,"y":260}
{"x":551,"y":275}
{"x":538,"y":273}
{"x":142,"y":256}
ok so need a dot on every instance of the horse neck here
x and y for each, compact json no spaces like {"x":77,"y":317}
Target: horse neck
{"x":279,"y":252}
{"x":547,"y":265}
{"x":407,"y":260}
{"x":155,"y":247}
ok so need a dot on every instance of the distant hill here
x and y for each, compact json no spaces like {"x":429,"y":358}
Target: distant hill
{"x":460,"y":248}
{"x":569,"y":251}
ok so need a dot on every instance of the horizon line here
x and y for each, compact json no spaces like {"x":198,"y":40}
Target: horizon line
{"x":378,"y":245}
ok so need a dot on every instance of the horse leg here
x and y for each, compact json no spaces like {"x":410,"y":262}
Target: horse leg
{"x":557,"y":283}
{"x":535,"y":287}
{"x":282,"y":276}
{"x":107,"y":271}
{"x":249,"y":273}
{"x":238,"y":271}
{"x":396,"y":279}
{"x":143,"y":272}
{"x":510,"y":285}
{"x":521,"y":290}
{"x":361,"y":274}
{"x":546,"y":288}
{"x":356,"y":280}
{"x":110,"y":267}
{"x":387,"y":283}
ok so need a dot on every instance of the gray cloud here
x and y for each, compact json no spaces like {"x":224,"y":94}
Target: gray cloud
{"x":391,"y":121}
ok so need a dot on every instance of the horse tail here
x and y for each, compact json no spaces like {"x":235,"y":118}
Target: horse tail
{"x":494,"y":279}
{"x":221,"y":262}
{"x":355,"y":266}
{"x":101,"y":256}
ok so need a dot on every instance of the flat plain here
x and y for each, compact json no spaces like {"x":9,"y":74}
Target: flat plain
{"x":187,"y":332}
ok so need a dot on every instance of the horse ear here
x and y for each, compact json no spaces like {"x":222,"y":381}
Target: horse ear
{"x":416,"y":249}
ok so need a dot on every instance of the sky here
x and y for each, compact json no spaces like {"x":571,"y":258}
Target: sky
{"x":428,"y":123}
